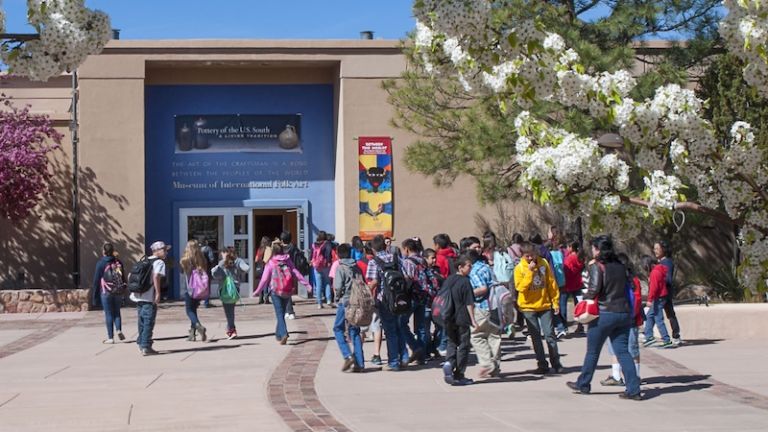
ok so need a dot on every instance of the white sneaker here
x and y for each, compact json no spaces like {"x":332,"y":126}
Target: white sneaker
{"x":677,"y":341}
{"x":561,"y":334}
{"x":108,"y":341}
{"x":290,"y":316}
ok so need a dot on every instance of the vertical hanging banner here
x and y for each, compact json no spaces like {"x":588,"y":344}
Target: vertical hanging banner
{"x":375,"y":173}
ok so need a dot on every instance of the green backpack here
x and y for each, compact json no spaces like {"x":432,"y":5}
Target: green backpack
{"x":229,"y":293}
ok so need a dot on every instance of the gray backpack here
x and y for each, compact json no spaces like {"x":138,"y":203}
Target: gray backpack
{"x":359,"y":311}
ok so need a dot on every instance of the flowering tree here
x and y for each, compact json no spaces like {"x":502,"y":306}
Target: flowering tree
{"x":25,"y":141}
{"x":671,"y":160}
{"x":68,"y":33}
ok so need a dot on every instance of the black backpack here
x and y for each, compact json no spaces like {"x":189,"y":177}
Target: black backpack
{"x":395,"y":289}
{"x":113,"y":279}
{"x":140,"y":277}
{"x":300,"y":260}
{"x":443,"y":309}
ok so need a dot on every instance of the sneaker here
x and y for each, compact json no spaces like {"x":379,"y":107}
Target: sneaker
{"x":348,"y":362}
{"x":561,"y":333}
{"x":649,"y":341}
{"x":448,"y":373}
{"x":284,"y":340}
{"x":231,"y":334}
{"x":442,"y":353}
{"x":376,"y":360}
{"x":637,"y":397}
{"x":575,"y":387}
{"x":357,"y":369}
{"x":557,"y":368}
{"x":108,"y":341}
{"x":320,"y":306}
{"x":148,"y":351}
{"x":290,"y":316}
{"x":677,"y":341}
{"x":389,"y":368}
{"x":541,"y":370}
{"x":611,"y":381}
{"x":120,"y":335}
{"x":667,"y":344}
{"x":416,"y":356}
{"x":201,"y":332}
{"x":463,"y":382}
{"x":641,"y":337}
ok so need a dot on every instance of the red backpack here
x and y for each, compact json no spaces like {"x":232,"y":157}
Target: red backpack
{"x":281,"y":282}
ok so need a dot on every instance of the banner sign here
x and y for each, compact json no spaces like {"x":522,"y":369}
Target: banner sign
{"x":375,"y":177}
{"x":238,"y":133}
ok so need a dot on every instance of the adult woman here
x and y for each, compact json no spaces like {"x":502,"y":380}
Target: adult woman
{"x":607,"y":285}
{"x":259,"y":263}
{"x":279,"y":273}
{"x":192,"y":261}
{"x":228,"y":272}
{"x":109,"y":281}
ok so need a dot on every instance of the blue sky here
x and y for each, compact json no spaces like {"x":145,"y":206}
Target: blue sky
{"x":243,"y":19}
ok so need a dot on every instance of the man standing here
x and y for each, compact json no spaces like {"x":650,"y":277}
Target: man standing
{"x":146,"y":302}
{"x":661,"y":250}
{"x":485,"y":337}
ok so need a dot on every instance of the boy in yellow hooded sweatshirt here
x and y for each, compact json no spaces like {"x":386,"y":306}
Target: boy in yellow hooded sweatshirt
{"x":538,"y":299}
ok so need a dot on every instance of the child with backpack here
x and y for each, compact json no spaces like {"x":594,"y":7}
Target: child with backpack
{"x":322,"y":258}
{"x":228,"y":273}
{"x":572,"y":267}
{"x":109,"y":281}
{"x":349,"y":285}
{"x":280,"y":273}
{"x":439,"y":337}
{"x":195,"y":271}
{"x":458,"y":317}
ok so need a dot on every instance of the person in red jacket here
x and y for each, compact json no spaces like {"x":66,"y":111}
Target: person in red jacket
{"x":572,"y":267}
{"x":657,"y":296}
{"x":445,"y":254}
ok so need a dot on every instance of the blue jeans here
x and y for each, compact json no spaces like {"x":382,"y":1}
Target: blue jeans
{"x":656,"y":316}
{"x":229,"y":313}
{"x":354,"y":335}
{"x":280,"y":304}
{"x":562,"y":318}
{"x":190,"y":306}
{"x":616,"y":327}
{"x":147,"y":313}
{"x":393,"y":333}
{"x":322,"y":285}
{"x":538,"y":323}
{"x":112,"y":316}
{"x":421,"y":322}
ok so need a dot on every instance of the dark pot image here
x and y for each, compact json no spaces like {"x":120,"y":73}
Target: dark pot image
{"x":201,"y":140}
{"x":184,"y":138}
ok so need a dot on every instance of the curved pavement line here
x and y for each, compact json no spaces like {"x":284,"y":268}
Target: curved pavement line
{"x":36,"y":338}
{"x":670,"y":368}
{"x":291,"y":388}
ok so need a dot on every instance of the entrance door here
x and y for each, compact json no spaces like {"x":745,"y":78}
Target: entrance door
{"x":270,"y":223}
{"x":220,"y":228}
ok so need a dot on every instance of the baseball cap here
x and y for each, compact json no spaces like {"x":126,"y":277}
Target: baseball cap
{"x":156,"y":246}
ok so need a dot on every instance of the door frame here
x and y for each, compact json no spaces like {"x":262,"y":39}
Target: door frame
{"x":303,"y":223}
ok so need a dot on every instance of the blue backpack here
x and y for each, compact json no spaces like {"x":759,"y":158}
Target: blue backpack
{"x":558,"y":268}
{"x":503,"y":266}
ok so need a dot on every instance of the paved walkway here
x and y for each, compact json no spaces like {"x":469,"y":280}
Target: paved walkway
{"x":56,"y":375}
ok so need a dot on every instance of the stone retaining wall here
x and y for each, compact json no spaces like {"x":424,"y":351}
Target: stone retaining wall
{"x":44,"y":300}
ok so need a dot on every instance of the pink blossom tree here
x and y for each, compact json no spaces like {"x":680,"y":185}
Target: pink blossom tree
{"x":25,"y":141}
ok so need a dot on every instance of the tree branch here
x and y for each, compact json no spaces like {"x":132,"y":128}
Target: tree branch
{"x":687,"y":206}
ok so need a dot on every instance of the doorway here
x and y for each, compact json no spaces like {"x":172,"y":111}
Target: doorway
{"x":271,"y":222}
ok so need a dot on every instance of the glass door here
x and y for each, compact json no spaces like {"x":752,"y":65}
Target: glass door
{"x":219,"y":228}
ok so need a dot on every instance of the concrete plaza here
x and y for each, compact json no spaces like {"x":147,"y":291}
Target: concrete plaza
{"x":55,"y":374}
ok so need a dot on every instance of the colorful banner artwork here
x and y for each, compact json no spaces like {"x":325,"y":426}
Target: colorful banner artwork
{"x":375,"y":166}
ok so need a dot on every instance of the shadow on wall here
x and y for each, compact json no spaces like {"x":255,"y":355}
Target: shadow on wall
{"x":40,"y":246}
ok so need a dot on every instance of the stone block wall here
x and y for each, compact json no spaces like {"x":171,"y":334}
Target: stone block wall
{"x":44,"y":300}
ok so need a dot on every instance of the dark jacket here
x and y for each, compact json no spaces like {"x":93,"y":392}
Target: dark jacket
{"x":608,"y":283}
{"x":670,"y":278}
{"x":101,"y":265}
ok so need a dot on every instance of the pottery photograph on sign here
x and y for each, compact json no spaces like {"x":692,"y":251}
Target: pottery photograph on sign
{"x":288,"y":138}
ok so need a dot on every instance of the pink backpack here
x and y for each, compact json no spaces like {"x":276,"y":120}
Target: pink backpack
{"x":281,"y":282}
{"x":197,"y":285}
{"x":318,"y":259}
